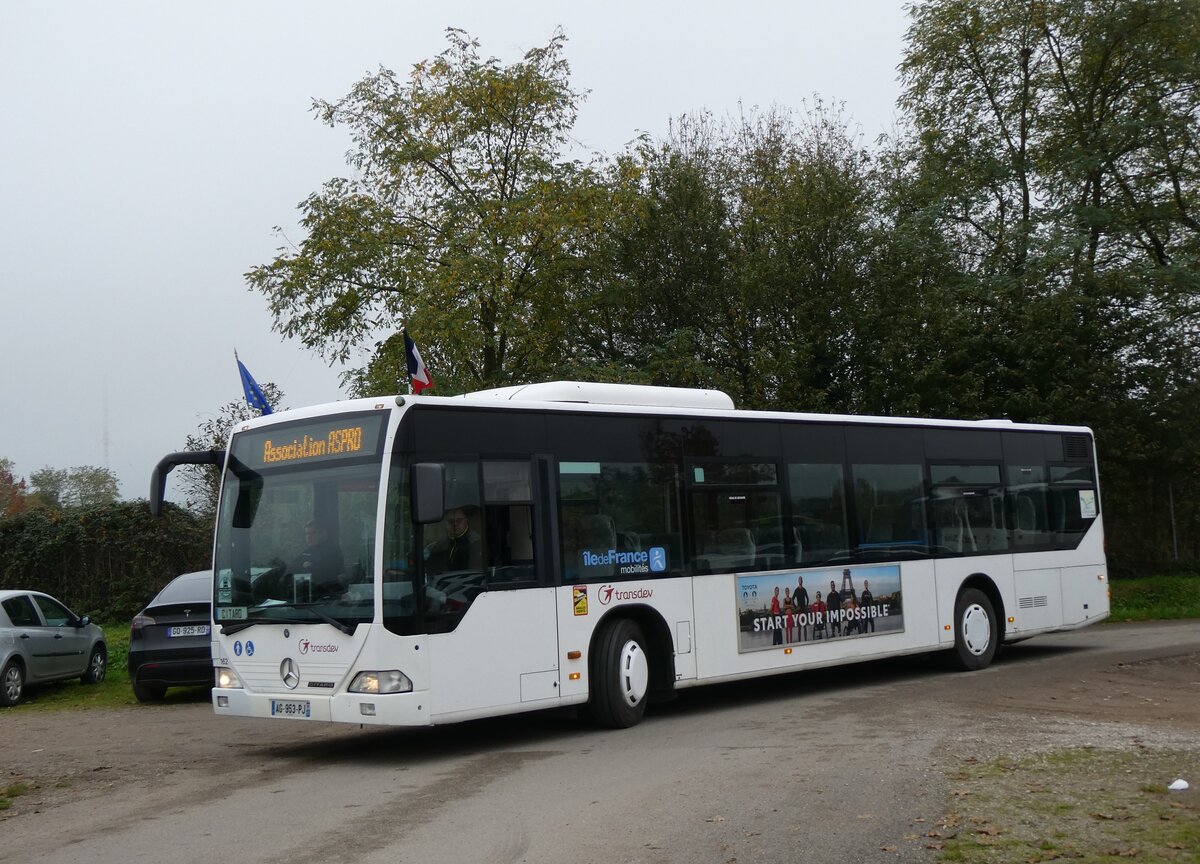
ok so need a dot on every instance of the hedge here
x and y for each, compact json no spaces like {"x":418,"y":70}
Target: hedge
{"x":106,"y":561}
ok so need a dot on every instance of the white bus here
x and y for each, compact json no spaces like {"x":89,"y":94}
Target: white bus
{"x":418,"y":560}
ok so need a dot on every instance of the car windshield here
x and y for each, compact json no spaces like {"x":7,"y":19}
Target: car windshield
{"x":296,"y":533}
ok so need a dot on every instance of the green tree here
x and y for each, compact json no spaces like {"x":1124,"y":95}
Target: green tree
{"x":12,"y":490}
{"x":463,"y":221}
{"x":1055,"y":149}
{"x":47,"y":487}
{"x":81,"y":486}
{"x":739,"y":267}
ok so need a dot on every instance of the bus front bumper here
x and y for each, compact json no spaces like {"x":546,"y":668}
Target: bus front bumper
{"x":392,"y":709}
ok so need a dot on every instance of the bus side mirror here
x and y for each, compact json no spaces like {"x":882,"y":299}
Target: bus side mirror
{"x":428,"y":484}
{"x":158,"y":479}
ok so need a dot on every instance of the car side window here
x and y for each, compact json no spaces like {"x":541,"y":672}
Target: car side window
{"x":21,"y":612}
{"x":55,"y":613}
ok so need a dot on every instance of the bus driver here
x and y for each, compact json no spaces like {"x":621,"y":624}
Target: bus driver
{"x":460,"y":549}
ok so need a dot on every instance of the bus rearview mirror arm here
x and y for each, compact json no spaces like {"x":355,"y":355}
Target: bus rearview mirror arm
{"x":158,"y":479}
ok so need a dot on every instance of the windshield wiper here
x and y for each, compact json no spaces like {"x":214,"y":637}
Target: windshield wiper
{"x":328,"y":619}
{"x":228,"y":629}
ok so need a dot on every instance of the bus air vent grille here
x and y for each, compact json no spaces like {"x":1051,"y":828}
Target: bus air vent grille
{"x":1075,"y":446}
{"x":1034,"y":602}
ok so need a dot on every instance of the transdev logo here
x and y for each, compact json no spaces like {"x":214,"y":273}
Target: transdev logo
{"x":652,"y":560}
{"x":609,"y":593}
{"x":307,"y":647}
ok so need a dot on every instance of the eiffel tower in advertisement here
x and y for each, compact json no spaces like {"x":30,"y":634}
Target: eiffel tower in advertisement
{"x":847,"y":590}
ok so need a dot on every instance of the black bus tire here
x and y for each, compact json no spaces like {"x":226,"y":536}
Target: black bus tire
{"x":976,"y":630}
{"x":620,"y":672}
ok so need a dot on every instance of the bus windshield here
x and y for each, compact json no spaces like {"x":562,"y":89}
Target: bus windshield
{"x":296,"y":528}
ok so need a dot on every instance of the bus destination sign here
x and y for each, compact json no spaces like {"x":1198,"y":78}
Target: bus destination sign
{"x":305,"y":443}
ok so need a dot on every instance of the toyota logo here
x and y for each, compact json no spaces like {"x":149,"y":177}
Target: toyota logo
{"x":290,"y":673}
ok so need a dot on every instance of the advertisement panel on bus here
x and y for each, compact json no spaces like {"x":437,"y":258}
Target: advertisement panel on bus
{"x":810,"y":606}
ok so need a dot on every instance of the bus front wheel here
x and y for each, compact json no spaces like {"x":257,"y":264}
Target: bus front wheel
{"x":976,"y":632}
{"x":620,"y":675}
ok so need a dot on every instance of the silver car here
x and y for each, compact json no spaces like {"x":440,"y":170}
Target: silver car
{"x":42,"y":640}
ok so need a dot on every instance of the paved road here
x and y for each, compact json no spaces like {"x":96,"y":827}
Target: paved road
{"x":830,"y":766}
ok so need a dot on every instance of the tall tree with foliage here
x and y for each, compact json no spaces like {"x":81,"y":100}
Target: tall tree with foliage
{"x":463,"y":220}
{"x":12,"y":490}
{"x":1056,"y":147}
{"x":738,"y":269}
{"x":81,"y":486}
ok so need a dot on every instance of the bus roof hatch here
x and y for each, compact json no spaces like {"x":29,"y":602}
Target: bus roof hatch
{"x":610,"y":394}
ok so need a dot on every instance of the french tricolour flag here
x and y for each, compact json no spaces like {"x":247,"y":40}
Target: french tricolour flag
{"x":417,"y":373}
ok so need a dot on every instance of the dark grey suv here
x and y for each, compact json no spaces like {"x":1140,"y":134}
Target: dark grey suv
{"x":169,"y":640}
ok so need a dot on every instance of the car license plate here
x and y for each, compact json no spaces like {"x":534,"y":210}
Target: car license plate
{"x":283,"y":708}
{"x":188,"y":630}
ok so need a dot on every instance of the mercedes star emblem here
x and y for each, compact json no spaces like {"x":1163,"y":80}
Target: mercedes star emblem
{"x":290,"y":673}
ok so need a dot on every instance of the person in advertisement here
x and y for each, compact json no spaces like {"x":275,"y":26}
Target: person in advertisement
{"x":800,"y":602}
{"x":865,"y":600}
{"x":776,"y":633}
{"x":850,"y":607}
{"x":788,"y":609}
{"x":833,"y":601}
{"x":818,"y":612}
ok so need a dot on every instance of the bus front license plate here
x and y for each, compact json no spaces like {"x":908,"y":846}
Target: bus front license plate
{"x":282,"y":708}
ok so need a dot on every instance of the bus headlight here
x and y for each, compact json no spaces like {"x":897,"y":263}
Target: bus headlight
{"x":391,"y":681}
{"x":227,"y":679}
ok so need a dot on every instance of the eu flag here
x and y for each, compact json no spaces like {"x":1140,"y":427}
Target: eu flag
{"x":254,"y":393}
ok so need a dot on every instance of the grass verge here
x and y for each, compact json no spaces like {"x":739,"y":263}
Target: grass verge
{"x":1075,"y":804}
{"x":113,"y":692}
{"x":10,"y":792}
{"x":1156,"y":597}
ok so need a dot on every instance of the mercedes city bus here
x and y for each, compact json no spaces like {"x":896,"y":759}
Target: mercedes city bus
{"x":415,"y":560}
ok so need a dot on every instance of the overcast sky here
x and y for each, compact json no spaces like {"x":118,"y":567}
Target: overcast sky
{"x":149,"y":149}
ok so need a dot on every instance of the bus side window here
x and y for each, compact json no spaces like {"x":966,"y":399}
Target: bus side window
{"x":508,"y":517}
{"x":453,"y":551}
{"x":818,"y":512}
{"x":1028,"y":507}
{"x":967,"y":511}
{"x":1073,"y":503}
{"x":891,"y":514}
{"x":619,"y":519}
{"x":737,"y":515}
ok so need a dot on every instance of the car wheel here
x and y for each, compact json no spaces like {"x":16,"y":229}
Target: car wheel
{"x":12,"y":683}
{"x":148,"y":692}
{"x":97,"y":666}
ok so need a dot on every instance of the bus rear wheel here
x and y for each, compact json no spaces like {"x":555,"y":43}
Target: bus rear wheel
{"x":620,"y":675}
{"x":976,"y":631}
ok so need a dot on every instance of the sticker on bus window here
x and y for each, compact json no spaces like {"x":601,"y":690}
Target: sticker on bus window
{"x":579,"y":599}
{"x":652,"y":560}
{"x":813,"y":606}
{"x":1087,"y":503}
